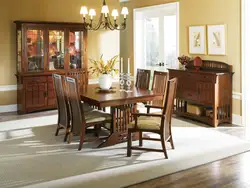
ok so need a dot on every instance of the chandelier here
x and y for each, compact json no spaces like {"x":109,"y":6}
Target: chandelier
{"x":104,"y":20}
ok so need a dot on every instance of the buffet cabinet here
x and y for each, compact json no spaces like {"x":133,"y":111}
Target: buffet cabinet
{"x":208,"y":90}
{"x":42,"y":49}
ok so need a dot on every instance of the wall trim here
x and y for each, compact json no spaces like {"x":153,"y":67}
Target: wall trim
{"x":237,"y":95}
{"x":8,"y":108}
{"x":8,"y":87}
{"x":236,"y":119}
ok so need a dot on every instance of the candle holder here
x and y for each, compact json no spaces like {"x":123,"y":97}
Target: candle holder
{"x":128,"y":82}
{"x":121,"y":81}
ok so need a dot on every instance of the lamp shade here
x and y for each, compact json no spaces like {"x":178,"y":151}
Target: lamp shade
{"x":124,"y":11}
{"x":115,"y":13}
{"x":105,"y":9}
{"x":84,"y":10}
{"x":92,"y":12}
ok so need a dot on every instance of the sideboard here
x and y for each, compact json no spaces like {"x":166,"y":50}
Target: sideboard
{"x":210,"y":89}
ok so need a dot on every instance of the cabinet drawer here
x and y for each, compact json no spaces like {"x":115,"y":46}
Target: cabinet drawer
{"x":36,"y":79}
{"x":190,"y":95}
{"x":206,"y":78}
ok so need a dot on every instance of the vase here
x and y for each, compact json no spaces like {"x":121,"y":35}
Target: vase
{"x":105,"y":81}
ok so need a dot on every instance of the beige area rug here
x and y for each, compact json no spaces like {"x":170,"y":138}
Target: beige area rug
{"x":30,"y":155}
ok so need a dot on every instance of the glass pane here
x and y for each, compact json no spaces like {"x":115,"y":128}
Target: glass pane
{"x":152,"y":41}
{"x":76,"y":49}
{"x":35,"y":50}
{"x":170,"y":28}
{"x":19,"y":50}
{"x":56,"y":50}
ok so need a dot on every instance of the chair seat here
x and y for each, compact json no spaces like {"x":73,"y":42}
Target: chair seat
{"x":97,"y":116}
{"x":149,"y":123}
{"x":86,"y":107}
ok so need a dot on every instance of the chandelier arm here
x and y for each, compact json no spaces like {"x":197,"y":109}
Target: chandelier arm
{"x":100,"y":22}
{"x":113,"y":26}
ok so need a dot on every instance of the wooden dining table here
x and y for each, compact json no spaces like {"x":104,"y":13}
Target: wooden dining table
{"x":122,"y":104}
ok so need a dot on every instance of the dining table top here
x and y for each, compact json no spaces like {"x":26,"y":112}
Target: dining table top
{"x":115,"y":97}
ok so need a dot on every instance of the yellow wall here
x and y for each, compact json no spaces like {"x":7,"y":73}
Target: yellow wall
{"x":46,"y":10}
{"x":199,"y":12}
{"x":192,"y":12}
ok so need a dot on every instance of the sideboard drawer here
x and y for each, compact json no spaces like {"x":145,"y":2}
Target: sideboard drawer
{"x":190,"y":95}
{"x":206,"y":78}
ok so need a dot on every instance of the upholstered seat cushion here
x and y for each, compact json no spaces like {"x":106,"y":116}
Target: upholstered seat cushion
{"x":149,"y":123}
{"x":86,"y":107}
{"x":96,"y":116}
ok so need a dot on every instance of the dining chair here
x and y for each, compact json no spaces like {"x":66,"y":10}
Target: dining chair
{"x":80,"y":76}
{"x":158,"y":86}
{"x":155,"y":123}
{"x":142,"y":78}
{"x":63,"y":121}
{"x":80,"y":119}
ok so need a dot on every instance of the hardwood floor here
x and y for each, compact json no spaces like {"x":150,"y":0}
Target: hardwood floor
{"x":232,"y":172}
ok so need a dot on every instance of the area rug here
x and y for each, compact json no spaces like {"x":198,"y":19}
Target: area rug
{"x":31,"y":156}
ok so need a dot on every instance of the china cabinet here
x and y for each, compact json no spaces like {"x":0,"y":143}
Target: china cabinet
{"x":44,"y":48}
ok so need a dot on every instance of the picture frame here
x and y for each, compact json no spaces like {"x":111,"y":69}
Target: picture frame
{"x":197,"y":39}
{"x":216,"y":35}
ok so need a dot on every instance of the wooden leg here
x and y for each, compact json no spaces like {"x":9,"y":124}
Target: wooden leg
{"x":148,"y":110}
{"x":81,"y":141}
{"x":140,"y":139}
{"x":70,"y":137}
{"x":171,"y":142}
{"x":58,"y":129}
{"x":129,"y":144}
{"x":66,"y":134}
{"x":97,"y":130}
{"x":164,"y":146}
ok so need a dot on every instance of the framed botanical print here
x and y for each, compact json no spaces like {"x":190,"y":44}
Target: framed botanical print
{"x":216,"y":39}
{"x":197,"y":39}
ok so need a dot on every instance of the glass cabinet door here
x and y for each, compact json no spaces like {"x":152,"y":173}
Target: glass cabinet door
{"x":19,"y":51}
{"x":35,"y":49}
{"x":56,"y":50}
{"x":76,"y":49}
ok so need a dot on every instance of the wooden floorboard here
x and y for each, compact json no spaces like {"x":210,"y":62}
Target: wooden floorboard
{"x":232,"y":172}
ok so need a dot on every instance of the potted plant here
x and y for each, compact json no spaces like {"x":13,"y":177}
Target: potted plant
{"x":105,"y":71}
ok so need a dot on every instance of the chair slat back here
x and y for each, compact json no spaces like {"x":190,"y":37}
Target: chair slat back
{"x":63,"y":112}
{"x":142,"y":79}
{"x":159,"y":85}
{"x":75,"y":104}
{"x":169,"y":104}
{"x":80,"y":76}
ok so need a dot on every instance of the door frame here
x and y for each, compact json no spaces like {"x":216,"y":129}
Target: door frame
{"x":150,"y":7}
{"x":245,"y":65}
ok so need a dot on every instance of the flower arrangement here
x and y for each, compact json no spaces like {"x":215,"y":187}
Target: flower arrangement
{"x":101,"y":67}
{"x":184,"y":60}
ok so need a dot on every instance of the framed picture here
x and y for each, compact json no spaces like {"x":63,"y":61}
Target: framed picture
{"x":216,"y":39}
{"x":197,"y":41}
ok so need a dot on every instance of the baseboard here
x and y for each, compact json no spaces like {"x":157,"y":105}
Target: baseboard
{"x":237,"y":119}
{"x":8,"y":108}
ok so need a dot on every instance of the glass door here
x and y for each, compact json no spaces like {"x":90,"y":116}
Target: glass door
{"x":35,"y":49}
{"x":56,"y":49}
{"x":156,"y":37}
{"x":76,"y":49}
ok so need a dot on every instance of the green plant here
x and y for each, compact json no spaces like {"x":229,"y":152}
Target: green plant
{"x":100,"y":67}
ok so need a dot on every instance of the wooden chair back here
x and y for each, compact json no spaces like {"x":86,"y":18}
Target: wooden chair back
{"x":169,"y":106}
{"x":142,"y":79}
{"x":63,"y":113}
{"x":159,"y":85}
{"x":80,"y":76}
{"x":75,"y":105}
